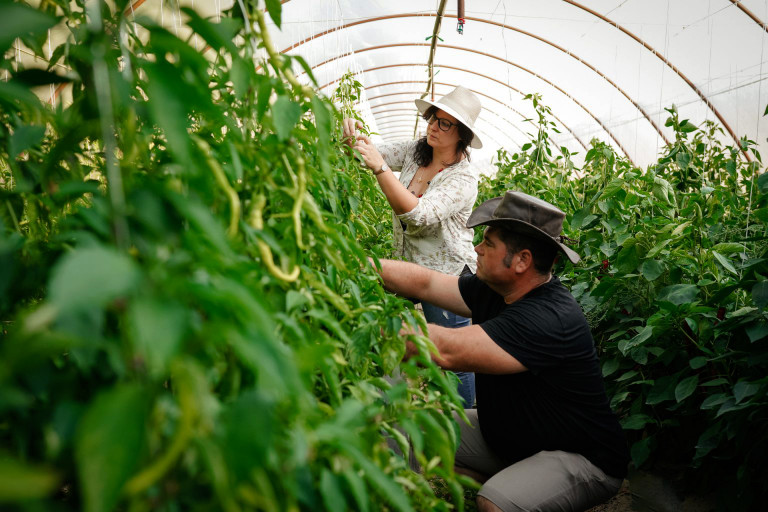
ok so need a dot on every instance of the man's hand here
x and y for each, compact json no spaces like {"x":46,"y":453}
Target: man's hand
{"x":349,"y":128}
{"x":410,"y":347}
{"x":370,"y":154}
{"x":373,"y":265}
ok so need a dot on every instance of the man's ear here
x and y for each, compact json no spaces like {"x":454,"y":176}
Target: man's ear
{"x":523,"y":261}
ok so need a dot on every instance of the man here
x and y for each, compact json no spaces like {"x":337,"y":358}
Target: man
{"x":547,"y":439}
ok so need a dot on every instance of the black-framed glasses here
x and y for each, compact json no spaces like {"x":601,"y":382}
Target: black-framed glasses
{"x":443,"y":124}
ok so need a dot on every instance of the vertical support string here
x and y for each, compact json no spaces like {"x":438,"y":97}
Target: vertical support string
{"x":17,"y":52}
{"x":738,"y":129}
{"x":757,"y":133}
{"x":7,"y":74}
{"x":506,"y":51}
{"x":663,"y":68}
{"x":709,"y":65}
{"x":176,"y":16}
{"x":639,"y":74}
{"x":610,"y":108}
{"x":194,"y":34}
{"x":50,"y":55}
{"x":133,"y":20}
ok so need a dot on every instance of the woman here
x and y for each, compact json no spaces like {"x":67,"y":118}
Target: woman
{"x":434,"y":195}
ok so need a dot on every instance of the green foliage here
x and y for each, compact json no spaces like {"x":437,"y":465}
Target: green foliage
{"x":673,"y":284}
{"x":190,"y":319}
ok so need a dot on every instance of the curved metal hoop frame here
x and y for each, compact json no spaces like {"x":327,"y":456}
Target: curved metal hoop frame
{"x":585,"y":109}
{"x":645,"y":45}
{"x":416,"y":93}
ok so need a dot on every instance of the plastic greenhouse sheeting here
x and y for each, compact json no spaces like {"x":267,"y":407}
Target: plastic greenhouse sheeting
{"x":607,"y":68}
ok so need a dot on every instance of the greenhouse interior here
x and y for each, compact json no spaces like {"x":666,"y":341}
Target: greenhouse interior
{"x":291,"y":255}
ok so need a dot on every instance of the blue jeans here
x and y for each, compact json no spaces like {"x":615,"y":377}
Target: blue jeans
{"x":445,"y":318}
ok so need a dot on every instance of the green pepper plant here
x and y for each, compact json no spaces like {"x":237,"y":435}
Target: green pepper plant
{"x":673,"y":282}
{"x":190,"y":319}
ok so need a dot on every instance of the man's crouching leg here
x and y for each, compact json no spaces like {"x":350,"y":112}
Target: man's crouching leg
{"x":546,"y":481}
{"x":474,"y":458}
{"x":549,"y":481}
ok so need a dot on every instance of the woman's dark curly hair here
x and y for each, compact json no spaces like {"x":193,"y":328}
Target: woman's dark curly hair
{"x":423,"y":155}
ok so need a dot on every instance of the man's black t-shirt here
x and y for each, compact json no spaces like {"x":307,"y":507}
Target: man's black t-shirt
{"x":560,"y":402}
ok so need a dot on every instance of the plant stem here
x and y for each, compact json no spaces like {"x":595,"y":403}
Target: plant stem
{"x":13,"y":216}
{"x":274,"y":58}
{"x":106,"y":117}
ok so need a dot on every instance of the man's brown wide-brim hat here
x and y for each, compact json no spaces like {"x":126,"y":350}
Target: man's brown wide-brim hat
{"x":526,"y":215}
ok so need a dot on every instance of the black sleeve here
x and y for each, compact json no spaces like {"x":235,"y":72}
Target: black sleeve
{"x":470,"y":287}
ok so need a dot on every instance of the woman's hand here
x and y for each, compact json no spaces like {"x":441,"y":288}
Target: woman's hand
{"x":349,"y":128}
{"x":370,"y":154}
{"x":398,"y":197}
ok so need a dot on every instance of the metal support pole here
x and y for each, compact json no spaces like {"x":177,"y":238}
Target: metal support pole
{"x":430,"y":62}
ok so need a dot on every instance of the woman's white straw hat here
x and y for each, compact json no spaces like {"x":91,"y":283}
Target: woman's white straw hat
{"x":462,"y":104}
